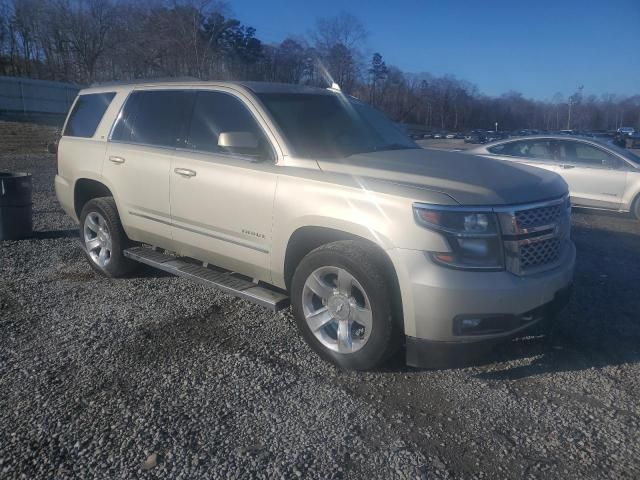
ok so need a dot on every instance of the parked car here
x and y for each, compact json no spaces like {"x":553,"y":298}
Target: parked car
{"x":475,"y":136}
{"x":491,"y":136}
{"x":599,"y":174}
{"x":301,"y":194}
{"x":599,"y":134}
{"x":633,"y":140}
{"x":450,"y":135}
{"x":524,"y":133}
{"x":438,"y":135}
{"x":626,"y":130}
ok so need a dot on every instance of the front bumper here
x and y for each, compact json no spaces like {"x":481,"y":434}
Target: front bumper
{"x":424,"y":353}
{"x":435,"y":298}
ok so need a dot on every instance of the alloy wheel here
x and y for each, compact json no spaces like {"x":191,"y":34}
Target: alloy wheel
{"x":337,"y":309}
{"x":97,"y":239}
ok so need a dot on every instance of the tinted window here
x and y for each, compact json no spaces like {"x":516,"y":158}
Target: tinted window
{"x":153,"y":117}
{"x":588,"y":155}
{"x":87,"y":113}
{"x":215,"y":113}
{"x":501,"y":149}
{"x":333,"y":126}
{"x":534,"y":149}
{"x":628,"y":154}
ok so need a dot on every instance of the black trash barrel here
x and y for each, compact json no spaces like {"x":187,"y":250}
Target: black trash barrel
{"x":15,"y":206}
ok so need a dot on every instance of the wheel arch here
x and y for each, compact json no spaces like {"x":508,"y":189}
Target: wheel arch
{"x":306,"y":239}
{"x":86,"y":189}
{"x":634,"y":207}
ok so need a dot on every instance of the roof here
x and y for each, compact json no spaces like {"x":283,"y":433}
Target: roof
{"x":268,"y":87}
{"x":550,"y":137}
{"x":255,"y":87}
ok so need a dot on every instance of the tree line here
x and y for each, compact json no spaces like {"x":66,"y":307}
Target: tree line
{"x":87,"y":41}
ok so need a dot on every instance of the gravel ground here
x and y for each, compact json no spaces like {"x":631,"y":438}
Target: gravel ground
{"x":156,"y":377}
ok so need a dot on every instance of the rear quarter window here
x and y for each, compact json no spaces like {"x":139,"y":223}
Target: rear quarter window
{"x":87,"y":113}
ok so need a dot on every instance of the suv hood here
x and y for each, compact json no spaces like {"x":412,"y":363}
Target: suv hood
{"x":468,"y":179}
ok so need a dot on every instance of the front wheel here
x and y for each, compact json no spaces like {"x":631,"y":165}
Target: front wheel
{"x":635,"y":208}
{"x":343,"y":306}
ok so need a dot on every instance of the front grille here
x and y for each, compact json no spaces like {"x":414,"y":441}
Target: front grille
{"x":534,"y":238}
{"x":540,"y":253}
{"x":536,"y":217}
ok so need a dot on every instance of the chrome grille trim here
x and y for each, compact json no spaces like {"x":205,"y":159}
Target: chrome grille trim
{"x":535,"y":217}
{"x":540,"y":253}
{"x":535,"y":236}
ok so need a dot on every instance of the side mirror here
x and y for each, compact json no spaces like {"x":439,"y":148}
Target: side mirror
{"x":52,"y":147}
{"x":239,"y":142}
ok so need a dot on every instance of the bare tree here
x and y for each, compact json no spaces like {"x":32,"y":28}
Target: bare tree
{"x":343,"y":28}
{"x":88,"y":40}
{"x":339,"y":40}
{"x":573,"y":103}
{"x":88,"y":24}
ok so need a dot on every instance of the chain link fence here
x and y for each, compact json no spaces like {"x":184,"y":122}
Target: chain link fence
{"x":35,"y":101}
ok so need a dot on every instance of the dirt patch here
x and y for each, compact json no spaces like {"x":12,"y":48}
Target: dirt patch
{"x":18,"y":137}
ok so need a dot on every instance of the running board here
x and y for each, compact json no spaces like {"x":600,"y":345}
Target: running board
{"x":224,"y":281}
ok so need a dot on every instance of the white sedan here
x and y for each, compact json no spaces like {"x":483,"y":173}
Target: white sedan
{"x":600,"y":175}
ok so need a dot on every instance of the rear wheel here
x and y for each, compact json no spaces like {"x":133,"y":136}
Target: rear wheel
{"x":343,"y":307}
{"x":104,"y":239}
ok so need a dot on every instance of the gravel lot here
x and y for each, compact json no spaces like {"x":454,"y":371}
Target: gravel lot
{"x":156,"y":377}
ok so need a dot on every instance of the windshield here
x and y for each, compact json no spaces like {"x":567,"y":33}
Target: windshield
{"x":333,"y":126}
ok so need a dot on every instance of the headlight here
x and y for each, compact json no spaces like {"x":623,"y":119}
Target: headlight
{"x":474,"y":237}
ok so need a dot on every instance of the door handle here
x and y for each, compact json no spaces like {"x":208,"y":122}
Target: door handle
{"x":567,"y":167}
{"x":116,"y":160}
{"x":185,"y":172}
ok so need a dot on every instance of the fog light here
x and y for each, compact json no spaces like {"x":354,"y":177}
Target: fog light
{"x":491,"y":324}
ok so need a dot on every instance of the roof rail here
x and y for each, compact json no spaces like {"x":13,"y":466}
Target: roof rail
{"x":138,"y":81}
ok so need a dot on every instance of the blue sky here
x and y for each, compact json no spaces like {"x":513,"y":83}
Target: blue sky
{"x":537,"y":47}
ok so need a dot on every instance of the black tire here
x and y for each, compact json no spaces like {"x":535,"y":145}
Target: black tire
{"x":367,"y":265}
{"x":635,"y":208}
{"x":118,"y":265}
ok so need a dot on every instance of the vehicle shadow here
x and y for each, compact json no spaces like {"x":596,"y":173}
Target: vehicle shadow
{"x":601,"y":325}
{"x":145,"y":271}
{"x":55,"y":234}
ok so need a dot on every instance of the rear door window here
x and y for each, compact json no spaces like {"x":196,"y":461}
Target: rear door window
{"x":87,"y":113}
{"x":540,"y":149}
{"x":587,"y":155}
{"x":153,"y":117}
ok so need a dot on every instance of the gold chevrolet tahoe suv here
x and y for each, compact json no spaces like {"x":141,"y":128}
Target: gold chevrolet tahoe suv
{"x":285,"y":193}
